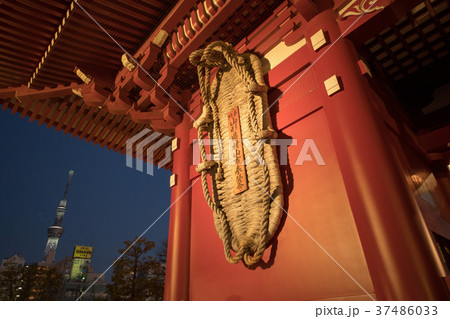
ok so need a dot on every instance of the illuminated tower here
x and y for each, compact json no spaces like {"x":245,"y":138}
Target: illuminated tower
{"x":56,"y":230}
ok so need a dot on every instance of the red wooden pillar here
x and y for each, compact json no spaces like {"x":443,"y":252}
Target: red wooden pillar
{"x":178,"y":251}
{"x":442,"y":175}
{"x":399,"y":260}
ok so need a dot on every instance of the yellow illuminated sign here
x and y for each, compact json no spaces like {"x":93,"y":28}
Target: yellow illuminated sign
{"x":83,"y":252}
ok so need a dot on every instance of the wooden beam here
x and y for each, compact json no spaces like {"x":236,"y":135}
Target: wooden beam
{"x":15,"y":107}
{"x":113,"y":131}
{"x":92,"y":123}
{"x":37,"y":109}
{"x":33,"y":94}
{"x":47,"y":111}
{"x":100,"y":126}
{"x":67,"y":113}
{"x":76,"y":116}
{"x":26,"y":108}
{"x":121,"y":146}
{"x":107,"y":129}
{"x":169,"y":23}
{"x":114,"y":142}
{"x":61,"y":108}
{"x":83,"y":120}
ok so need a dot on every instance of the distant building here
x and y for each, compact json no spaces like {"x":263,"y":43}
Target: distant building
{"x":43,"y":281}
{"x":73,"y":289}
{"x":81,"y":262}
{"x":13,"y":261}
{"x":79,"y":275}
{"x":64,"y":267}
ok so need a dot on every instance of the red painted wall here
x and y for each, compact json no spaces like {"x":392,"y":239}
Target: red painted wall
{"x":296,"y":267}
{"x":357,"y":206}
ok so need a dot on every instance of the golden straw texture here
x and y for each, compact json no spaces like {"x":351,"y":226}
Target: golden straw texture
{"x":246,"y":221}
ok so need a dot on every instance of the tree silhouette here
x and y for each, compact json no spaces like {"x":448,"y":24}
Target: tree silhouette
{"x":137,"y":275}
{"x":159,"y":273}
{"x":30,"y":283}
{"x":40,"y":283}
{"x":9,"y":282}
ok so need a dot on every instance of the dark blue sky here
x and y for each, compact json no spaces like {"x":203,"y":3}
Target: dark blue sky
{"x":107,"y":202}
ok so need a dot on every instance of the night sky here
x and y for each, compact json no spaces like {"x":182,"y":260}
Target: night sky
{"x":108,"y":202}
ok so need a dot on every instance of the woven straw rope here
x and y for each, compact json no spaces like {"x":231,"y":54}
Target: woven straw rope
{"x":247,"y":221}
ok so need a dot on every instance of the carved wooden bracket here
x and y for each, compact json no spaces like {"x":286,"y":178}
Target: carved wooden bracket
{"x":118,"y":102}
{"x":94,"y":92}
{"x":145,"y":93}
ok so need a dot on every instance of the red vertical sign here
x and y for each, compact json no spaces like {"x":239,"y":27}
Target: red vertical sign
{"x":237,"y":165}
